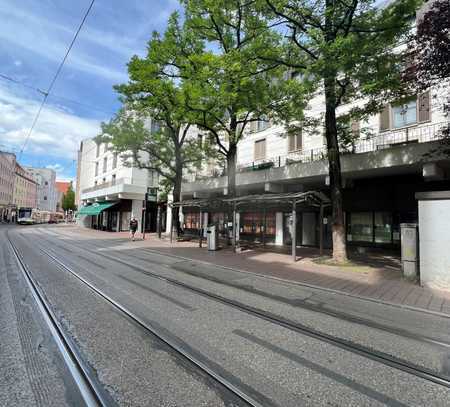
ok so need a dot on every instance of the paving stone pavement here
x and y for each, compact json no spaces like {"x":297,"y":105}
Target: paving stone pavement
{"x":377,"y":281}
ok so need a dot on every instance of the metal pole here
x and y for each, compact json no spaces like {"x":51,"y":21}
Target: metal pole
{"x":144,"y":215}
{"x":233,"y":240}
{"x":171,"y":225}
{"x":294,"y":232}
{"x":321,"y":230}
{"x":201,"y":231}
{"x":158,"y":221}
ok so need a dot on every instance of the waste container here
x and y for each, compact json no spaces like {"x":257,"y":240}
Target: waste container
{"x":410,"y":251}
{"x":212,"y":237}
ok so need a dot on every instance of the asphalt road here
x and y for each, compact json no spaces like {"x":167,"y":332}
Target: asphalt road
{"x":272,"y":362}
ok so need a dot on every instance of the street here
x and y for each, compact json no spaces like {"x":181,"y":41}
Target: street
{"x":153,"y":329}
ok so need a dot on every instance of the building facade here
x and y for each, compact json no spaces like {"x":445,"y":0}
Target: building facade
{"x":394,"y":155}
{"x":47,"y":196}
{"x":109,"y":192}
{"x":25,"y":189}
{"x":61,"y":189}
{"x":7,"y":176}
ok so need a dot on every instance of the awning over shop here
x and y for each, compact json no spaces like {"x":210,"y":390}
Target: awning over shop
{"x":95,"y":209}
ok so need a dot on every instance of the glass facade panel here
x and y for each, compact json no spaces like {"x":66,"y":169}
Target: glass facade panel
{"x":383,"y":227}
{"x":361,"y":226}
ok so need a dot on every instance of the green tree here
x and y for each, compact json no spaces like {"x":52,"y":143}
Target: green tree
{"x":154,"y":91}
{"x":68,"y":200}
{"x":230,"y":85}
{"x":346,"y":51}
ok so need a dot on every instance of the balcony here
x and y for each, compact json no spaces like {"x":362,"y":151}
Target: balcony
{"x":399,"y":150}
{"x":121,"y":188}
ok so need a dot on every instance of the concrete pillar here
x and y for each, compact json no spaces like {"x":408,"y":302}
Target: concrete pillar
{"x":238,"y":226}
{"x":205,"y":224}
{"x":136,"y":211}
{"x":279,"y":229}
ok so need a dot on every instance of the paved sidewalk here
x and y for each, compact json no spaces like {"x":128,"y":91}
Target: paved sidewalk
{"x":377,"y":280}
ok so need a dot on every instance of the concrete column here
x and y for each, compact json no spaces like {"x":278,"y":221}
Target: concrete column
{"x":205,"y":224}
{"x":136,"y":211}
{"x":279,"y":229}
{"x":238,"y":226}
{"x":294,"y":232}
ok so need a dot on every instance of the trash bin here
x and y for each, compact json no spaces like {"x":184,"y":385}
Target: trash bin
{"x":212,"y":237}
{"x":409,"y":250}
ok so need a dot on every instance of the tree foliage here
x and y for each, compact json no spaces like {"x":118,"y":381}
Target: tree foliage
{"x":345,"y":50}
{"x":68,"y":200}
{"x":231,"y":86}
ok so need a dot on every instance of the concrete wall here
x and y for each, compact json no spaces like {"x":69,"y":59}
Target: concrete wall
{"x":434,"y":238}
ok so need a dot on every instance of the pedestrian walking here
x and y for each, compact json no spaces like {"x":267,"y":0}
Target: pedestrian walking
{"x":133,"y":227}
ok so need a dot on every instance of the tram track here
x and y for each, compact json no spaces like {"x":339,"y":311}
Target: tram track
{"x":89,"y":388}
{"x":302,"y":304}
{"x":371,"y":354}
{"x":242,"y":392}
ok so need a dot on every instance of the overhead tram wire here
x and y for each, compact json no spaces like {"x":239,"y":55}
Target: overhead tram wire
{"x":58,"y":71}
{"x":25,"y":85}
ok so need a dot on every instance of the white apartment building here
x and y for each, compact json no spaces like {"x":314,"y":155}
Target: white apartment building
{"x":110,"y":193}
{"x":396,"y":154}
{"x":47,"y":194}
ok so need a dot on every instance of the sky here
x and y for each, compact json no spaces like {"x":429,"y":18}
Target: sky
{"x":34,"y":36}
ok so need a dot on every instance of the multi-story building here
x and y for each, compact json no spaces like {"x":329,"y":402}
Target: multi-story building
{"x":395,"y":155}
{"x":61,"y":189}
{"x":25,"y":189}
{"x":47,"y":195}
{"x":110,"y":192}
{"x":7,"y":174}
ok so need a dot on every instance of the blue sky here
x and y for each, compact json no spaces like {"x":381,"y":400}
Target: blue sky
{"x":34,"y":36}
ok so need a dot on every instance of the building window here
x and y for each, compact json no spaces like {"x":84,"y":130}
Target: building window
{"x":103,"y":180}
{"x":115,"y":160}
{"x":45,"y":198}
{"x":372,"y":227}
{"x":260,"y":149}
{"x":105,"y":164}
{"x":404,"y":114}
{"x":295,"y":142}
{"x":46,"y":182}
{"x":113,"y":179}
{"x":262,"y":123}
{"x":96,"y":168}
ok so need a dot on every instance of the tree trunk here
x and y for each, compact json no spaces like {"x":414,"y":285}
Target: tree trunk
{"x":177,"y":198}
{"x":231,"y":170}
{"x":334,"y":163}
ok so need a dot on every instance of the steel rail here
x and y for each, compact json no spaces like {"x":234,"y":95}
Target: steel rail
{"x":380,"y":357}
{"x":248,"y":399}
{"x":89,"y":389}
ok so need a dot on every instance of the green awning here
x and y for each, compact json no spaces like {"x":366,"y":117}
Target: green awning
{"x":95,"y":208}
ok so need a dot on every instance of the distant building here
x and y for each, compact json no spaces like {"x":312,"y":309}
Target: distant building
{"x":61,"y":189}
{"x":7,"y":173}
{"x":109,"y":193}
{"x":47,"y":195}
{"x":25,"y":189}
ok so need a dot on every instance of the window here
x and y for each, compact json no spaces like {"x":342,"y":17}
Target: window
{"x":103,"y":180}
{"x":383,"y":226}
{"x":372,"y":227}
{"x":260,"y":149}
{"x":295,"y":142}
{"x":361,"y":227}
{"x":46,"y":182}
{"x":105,"y":164}
{"x":404,"y":114}
{"x":45,"y":198}
{"x":115,"y":160}
{"x":155,"y":126}
{"x":97,"y":152}
{"x":113,"y":179}
{"x":263,"y":123}
{"x":96,"y":168}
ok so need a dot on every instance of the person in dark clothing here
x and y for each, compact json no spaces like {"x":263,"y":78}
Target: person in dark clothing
{"x":133,"y":227}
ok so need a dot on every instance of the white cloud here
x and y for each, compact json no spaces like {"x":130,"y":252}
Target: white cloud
{"x":58,"y":168}
{"x":57,"y":134}
{"x":18,"y":62}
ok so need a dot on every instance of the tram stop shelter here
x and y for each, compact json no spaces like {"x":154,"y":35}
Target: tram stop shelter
{"x":289,"y":201}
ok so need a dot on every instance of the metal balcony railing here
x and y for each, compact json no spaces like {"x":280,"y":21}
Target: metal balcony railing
{"x":108,"y":184}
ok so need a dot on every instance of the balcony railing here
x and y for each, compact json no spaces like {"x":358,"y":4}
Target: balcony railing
{"x":108,"y":184}
{"x":388,"y":139}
